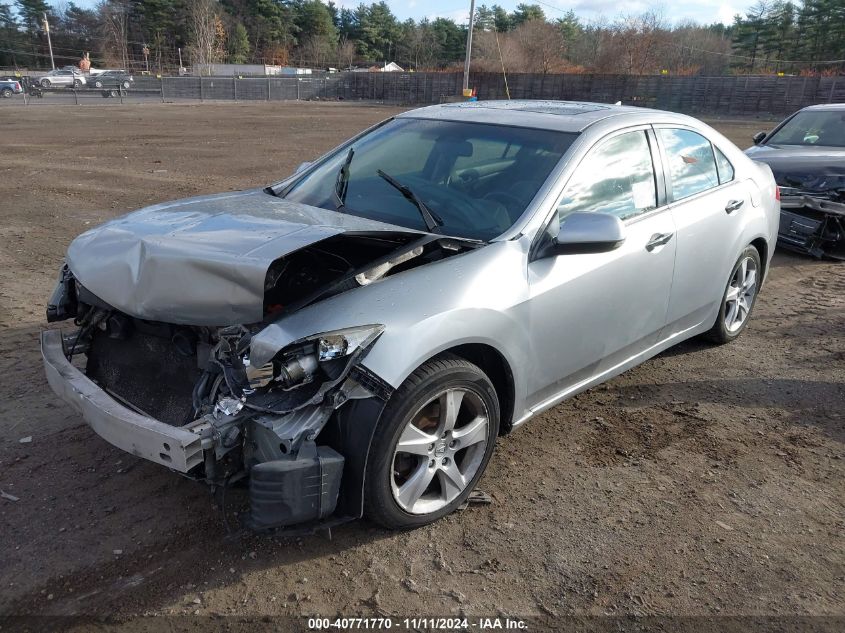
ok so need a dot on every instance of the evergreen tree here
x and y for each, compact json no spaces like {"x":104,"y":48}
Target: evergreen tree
{"x":239,"y":44}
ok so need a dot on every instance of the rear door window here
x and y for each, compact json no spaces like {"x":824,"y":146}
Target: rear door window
{"x":692,"y":164}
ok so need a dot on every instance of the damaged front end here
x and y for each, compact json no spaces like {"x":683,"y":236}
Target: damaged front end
{"x":812,"y":224}
{"x":189,"y":399}
{"x":153,"y":375}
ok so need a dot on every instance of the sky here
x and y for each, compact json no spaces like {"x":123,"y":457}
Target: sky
{"x":702,"y":11}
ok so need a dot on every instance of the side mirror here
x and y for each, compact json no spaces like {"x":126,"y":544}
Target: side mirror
{"x":588,"y":233}
{"x":303,"y":166}
{"x":758,"y":138}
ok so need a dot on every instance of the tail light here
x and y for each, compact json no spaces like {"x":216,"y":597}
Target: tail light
{"x":17,"y":85}
{"x":777,"y":193}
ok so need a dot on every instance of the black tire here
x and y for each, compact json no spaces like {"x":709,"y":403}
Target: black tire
{"x":719,"y":333}
{"x":77,"y":84}
{"x":45,"y":83}
{"x":7,"y":93}
{"x":98,"y":83}
{"x":420,"y":387}
{"x":114,"y":93}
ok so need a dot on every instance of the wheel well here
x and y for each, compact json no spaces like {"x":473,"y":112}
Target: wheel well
{"x":762,"y":248}
{"x":497,"y":369}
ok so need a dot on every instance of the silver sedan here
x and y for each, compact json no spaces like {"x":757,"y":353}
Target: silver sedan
{"x":352,"y":340}
{"x":62,"y":78}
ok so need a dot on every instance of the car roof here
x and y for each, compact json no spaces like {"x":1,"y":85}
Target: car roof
{"x":562,"y":116}
{"x":826,"y":106}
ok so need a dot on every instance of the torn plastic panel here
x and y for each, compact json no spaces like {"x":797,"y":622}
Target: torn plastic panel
{"x":812,"y":225}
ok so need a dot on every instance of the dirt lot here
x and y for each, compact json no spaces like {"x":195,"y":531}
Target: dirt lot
{"x":708,"y":481}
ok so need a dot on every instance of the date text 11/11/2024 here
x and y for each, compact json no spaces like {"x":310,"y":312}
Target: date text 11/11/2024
{"x":417,"y":623}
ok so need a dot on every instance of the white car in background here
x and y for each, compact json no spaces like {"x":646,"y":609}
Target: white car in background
{"x":62,"y":78}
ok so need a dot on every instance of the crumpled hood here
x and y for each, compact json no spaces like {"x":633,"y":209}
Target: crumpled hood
{"x":810,"y":169}
{"x":203,"y":260}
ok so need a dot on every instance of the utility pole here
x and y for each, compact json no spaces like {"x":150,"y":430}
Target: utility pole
{"x":469,"y":44}
{"x":49,"y":43}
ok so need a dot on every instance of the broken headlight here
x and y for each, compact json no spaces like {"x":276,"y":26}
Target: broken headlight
{"x":298,"y":362}
{"x":340,"y":343}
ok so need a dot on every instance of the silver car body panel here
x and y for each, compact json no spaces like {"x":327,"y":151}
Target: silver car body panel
{"x":132,"y":432}
{"x":562,"y":324}
{"x":607,"y":313}
{"x":203,"y":260}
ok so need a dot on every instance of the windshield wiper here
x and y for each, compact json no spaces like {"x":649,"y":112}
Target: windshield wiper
{"x":432,"y":221}
{"x":342,"y":182}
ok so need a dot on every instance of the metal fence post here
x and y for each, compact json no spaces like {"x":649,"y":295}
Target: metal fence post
{"x":75,"y":95}
{"x":201,"y":95}
{"x":161,"y":86}
{"x":120,"y":92}
{"x":268,"y":88}
{"x":297,"y":88}
{"x":234,"y":88}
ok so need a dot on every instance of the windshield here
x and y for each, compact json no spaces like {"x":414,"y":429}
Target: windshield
{"x":812,"y":128}
{"x":476,"y":179}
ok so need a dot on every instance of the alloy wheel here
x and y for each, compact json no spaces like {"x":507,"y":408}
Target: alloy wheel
{"x":740,"y":295}
{"x":439,"y":451}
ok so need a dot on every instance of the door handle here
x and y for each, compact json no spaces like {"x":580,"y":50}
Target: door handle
{"x":733,"y":205}
{"x":658,"y":239}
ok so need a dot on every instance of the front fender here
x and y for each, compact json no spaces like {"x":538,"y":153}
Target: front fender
{"x":475,"y":297}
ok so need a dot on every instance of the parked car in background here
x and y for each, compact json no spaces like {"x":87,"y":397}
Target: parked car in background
{"x":807,"y":155}
{"x":111,"y":79}
{"x":353,"y":339}
{"x":9,"y":87}
{"x":62,"y":78}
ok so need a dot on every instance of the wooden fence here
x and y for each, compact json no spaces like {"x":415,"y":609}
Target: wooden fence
{"x":741,"y":95}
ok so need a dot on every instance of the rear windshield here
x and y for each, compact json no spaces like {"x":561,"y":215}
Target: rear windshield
{"x":476,"y":179}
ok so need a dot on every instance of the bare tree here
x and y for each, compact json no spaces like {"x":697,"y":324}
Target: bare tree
{"x":207,"y":32}
{"x":542,"y":46}
{"x":346,"y":53}
{"x":316,"y":51}
{"x":115,"y":14}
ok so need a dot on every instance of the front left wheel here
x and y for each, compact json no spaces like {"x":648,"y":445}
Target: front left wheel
{"x":432,"y":445}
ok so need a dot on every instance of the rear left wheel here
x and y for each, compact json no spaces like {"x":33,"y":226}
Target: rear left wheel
{"x":7,"y":93}
{"x":738,"y":299}
{"x":433,"y":443}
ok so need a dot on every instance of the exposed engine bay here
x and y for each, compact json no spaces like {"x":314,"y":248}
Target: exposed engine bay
{"x":277,"y":425}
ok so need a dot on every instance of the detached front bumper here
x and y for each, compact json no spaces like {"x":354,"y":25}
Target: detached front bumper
{"x":126,"y":429}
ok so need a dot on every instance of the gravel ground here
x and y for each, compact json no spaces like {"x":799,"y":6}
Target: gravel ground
{"x":708,"y":481}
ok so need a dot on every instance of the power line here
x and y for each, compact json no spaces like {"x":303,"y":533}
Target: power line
{"x":768,"y":60}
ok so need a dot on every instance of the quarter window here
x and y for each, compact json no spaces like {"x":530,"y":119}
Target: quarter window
{"x":726,"y":170}
{"x":617,"y":177}
{"x":692,"y":165}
